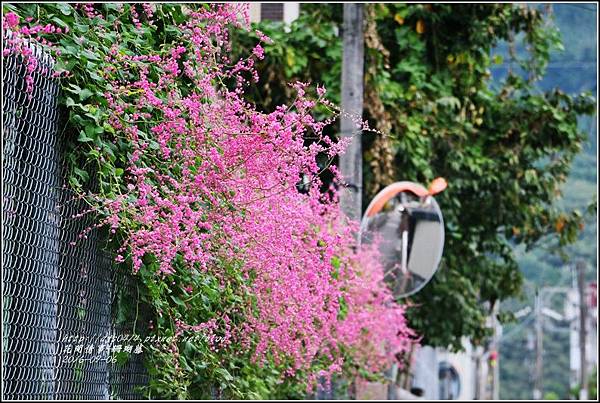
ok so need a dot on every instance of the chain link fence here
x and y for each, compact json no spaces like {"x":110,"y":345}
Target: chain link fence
{"x":57,"y":298}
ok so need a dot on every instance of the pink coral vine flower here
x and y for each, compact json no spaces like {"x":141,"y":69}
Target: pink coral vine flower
{"x":321,"y":91}
{"x":18,"y":40}
{"x":211,"y":179}
{"x":11,"y":20}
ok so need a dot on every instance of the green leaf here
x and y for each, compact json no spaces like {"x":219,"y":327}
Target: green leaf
{"x":60,"y":23}
{"x":224,"y":374}
{"x":90,"y":55}
{"x":74,"y":182}
{"x":90,"y":131}
{"x":83,"y":28}
{"x":83,"y":137}
{"x":64,"y":8}
{"x":178,"y":301}
{"x":81,"y":174}
{"x":121,"y":357}
{"x":96,"y":77}
{"x":85,"y":94}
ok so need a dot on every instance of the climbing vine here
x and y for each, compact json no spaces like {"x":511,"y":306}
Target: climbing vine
{"x":199,"y":195}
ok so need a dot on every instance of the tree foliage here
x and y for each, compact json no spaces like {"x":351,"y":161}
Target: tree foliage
{"x":504,"y":149}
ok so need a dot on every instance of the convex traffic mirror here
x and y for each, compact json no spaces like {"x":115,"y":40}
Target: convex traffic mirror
{"x":407,"y":225}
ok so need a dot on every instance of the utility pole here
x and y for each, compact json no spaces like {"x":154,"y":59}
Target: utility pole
{"x":495,"y":347}
{"x":580,"y":266}
{"x":539,"y":346}
{"x":352,"y":107}
{"x":477,"y":354}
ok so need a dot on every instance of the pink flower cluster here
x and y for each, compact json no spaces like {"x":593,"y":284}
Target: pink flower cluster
{"x":18,"y":40}
{"x":220,"y":184}
{"x":11,"y":20}
{"x":88,"y":9}
{"x":211,"y":179}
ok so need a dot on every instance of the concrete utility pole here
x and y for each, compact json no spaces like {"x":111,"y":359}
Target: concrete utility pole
{"x":539,"y":347}
{"x":478,"y":355}
{"x":352,"y":103}
{"x":540,"y":311}
{"x":495,"y":347}
{"x":580,"y":266}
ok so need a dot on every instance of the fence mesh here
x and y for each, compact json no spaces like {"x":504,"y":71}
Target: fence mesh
{"x":57,"y":298}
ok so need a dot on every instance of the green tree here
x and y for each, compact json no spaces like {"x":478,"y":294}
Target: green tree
{"x":505,"y":148}
{"x":572,"y":70}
